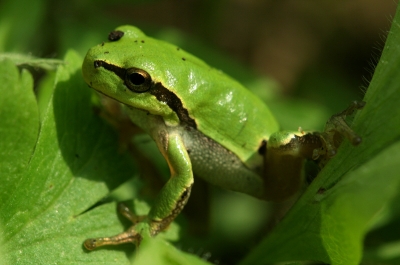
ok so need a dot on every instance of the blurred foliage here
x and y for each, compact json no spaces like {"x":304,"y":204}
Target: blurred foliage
{"x":61,"y":164}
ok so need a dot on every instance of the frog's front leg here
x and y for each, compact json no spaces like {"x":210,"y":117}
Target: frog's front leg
{"x":170,"y":201}
{"x":336,"y":129}
{"x":175,"y":193}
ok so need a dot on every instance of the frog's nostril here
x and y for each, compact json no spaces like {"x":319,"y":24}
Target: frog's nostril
{"x":98,"y":64}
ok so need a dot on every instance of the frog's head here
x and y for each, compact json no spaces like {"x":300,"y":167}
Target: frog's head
{"x":142,"y":72}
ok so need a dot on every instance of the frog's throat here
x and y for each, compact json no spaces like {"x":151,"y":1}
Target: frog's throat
{"x":158,"y":90}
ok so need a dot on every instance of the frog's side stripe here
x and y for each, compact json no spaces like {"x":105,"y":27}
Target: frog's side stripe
{"x":158,"y":90}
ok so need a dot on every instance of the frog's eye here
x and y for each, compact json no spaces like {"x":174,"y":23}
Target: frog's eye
{"x":137,"y":80}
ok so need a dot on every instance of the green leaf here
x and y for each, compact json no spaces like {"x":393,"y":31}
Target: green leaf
{"x":330,"y":220}
{"x":55,"y":170}
{"x":19,"y":126}
{"x":30,"y":61}
{"x":53,"y":176}
{"x":157,"y":251}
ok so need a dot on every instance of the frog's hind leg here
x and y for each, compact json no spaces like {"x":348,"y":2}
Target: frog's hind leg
{"x":129,"y":236}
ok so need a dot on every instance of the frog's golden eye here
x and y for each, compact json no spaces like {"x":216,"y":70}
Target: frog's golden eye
{"x":137,"y":80}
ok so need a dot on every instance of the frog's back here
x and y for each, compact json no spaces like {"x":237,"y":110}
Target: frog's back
{"x":228,"y":113}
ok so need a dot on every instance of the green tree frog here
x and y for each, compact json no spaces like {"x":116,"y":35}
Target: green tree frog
{"x":204,"y":123}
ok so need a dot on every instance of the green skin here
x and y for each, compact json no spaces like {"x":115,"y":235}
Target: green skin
{"x":202,"y":120}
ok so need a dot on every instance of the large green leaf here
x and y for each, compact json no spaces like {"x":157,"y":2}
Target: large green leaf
{"x":51,"y":177}
{"x":53,"y":174}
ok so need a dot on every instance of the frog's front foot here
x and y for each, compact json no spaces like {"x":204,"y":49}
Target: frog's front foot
{"x":129,"y":236}
{"x":336,"y":129}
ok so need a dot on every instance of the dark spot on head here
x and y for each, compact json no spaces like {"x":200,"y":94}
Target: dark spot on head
{"x":142,"y":41}
{"x":177,"y":48}
{"x":102,"y":44}
{"x":107,"y":52}
{"x":115,"y":35}
{"x":183,"y":58}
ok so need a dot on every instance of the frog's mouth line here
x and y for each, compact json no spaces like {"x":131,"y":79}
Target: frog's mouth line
{"x":157,"y":89}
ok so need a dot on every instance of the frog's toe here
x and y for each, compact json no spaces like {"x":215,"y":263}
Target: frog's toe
{"x":129,"y":236}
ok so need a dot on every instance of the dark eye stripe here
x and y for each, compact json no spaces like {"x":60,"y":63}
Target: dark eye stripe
{"x":158,"y":90}
{"x":172,"y":100}
{"x":121,"y":72}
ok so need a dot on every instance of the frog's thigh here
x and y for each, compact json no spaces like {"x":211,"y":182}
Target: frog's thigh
{"x":176,"y":191}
